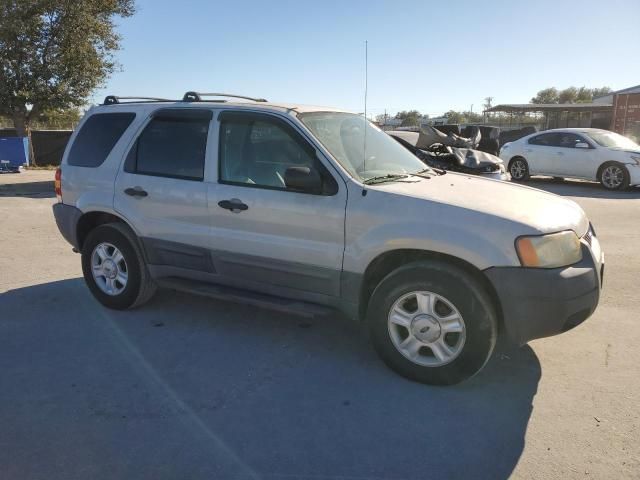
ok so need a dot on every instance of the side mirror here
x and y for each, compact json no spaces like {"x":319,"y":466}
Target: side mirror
{"x":582,"y":145}
{"x":303,"y":179}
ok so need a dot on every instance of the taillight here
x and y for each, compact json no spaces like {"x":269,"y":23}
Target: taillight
{"x":58,"y":184}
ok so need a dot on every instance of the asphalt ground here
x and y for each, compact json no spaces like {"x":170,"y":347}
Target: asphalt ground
{"x":192,"y":388}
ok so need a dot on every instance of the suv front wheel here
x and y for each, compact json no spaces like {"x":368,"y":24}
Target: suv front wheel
{"x":114,"y":268}
{"x":432,"y":322}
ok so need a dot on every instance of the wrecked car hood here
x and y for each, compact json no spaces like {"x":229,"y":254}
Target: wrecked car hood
{"x":467,"y":157}
{"x":542,"y":212}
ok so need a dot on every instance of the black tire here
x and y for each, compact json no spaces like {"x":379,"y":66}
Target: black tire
{"x":606,"y":183}
{"x":461,"y":290}
{"x":140,"y":287}
{"x":521,"y":174}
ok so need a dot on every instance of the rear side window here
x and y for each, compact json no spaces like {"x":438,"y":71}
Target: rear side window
{"x":97,"y":137}
{"x":546,"y":139}
{"x":173,"y":144}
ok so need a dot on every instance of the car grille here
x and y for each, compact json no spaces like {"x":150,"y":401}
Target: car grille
{"x":588,"y":237}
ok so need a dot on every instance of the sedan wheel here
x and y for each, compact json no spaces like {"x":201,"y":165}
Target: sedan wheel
{"x":519,"y":169}
{"x":614,"y":177}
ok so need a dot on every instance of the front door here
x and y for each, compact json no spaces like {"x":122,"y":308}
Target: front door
{"x":575,"y":161}
{"x":160,"y":189}
{"x":276,"y":240}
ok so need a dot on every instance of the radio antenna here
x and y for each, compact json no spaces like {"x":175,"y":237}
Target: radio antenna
{"x":366,"y":78}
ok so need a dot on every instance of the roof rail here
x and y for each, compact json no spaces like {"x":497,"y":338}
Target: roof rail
{"x":197,"y":97}
{"x":113,"y":100}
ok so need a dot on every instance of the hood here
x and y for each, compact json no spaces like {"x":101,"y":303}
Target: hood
{"x":470,"y":158}
{"x":630,"y":151}
{"x":538,"y":210}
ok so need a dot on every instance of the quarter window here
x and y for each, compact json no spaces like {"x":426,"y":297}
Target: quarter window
{"x":173,"y":144}
{"x":97,"y":137}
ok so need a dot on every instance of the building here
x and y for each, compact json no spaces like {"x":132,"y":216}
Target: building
{"x":626,"y":112}
{"x":618,"y":111}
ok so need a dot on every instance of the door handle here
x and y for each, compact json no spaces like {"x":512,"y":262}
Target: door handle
{"x":234,"y":205}
{"x":135,"y":192}
{"x":560,"y":153}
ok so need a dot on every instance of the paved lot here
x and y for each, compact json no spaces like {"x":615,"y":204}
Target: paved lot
{"x":192,"y":388}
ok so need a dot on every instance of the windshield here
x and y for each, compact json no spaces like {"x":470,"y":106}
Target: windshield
{"x":612,"y":140}
{"x":343,"y":134}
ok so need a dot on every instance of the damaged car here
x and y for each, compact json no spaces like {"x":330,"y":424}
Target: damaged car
{"x":451,"y":152}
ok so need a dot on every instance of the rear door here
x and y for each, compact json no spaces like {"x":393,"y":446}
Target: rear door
{"x":283,"y":242}
{"x":160,"y":188}
{"x":541,"y":153}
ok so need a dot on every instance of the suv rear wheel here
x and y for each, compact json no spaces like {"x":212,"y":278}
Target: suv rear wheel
{"x":114,"y":268}
{"x":432,"y":322}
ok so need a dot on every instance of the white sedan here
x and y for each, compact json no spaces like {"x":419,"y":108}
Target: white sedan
{"x":586,"y":153}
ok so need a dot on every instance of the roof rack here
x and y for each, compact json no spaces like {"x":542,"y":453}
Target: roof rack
{"x":113,"y":100}
{"x":197,"y":97}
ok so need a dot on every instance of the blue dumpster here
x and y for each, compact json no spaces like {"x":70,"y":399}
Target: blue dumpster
{"x":15,"y":151}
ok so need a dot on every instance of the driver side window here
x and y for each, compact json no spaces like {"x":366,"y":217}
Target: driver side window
{"x":256,"y":150}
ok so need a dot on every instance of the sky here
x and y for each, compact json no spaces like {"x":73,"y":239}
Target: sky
{"x":432,"y":56}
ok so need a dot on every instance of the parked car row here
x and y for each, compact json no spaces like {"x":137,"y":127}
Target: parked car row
{"x":581,"y":153}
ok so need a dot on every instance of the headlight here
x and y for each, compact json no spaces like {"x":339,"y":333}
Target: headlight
{"x":636,"y":158}
{"x":549,"y":251}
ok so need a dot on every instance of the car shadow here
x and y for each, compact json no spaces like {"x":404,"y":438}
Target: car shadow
{"x":580,"y":188}
{"x":43,"y":189}
{"x":188,"y":387}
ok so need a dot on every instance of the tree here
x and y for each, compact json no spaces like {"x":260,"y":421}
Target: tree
{"x":455,"y":117}
{"x":410,"y":118}
{"x":548,"y":95}
{"x":54,"y":53}
{"x":487,"y":103}
{"x":599,"y":92}
{"x":568,"y":95}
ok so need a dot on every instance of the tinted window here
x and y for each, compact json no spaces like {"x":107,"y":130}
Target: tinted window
{"x":257,"y":150}
{"x":569,"y":140}
{"x":97,"y":137}
{"x":546,"y":139}
{"x":171,"y":145}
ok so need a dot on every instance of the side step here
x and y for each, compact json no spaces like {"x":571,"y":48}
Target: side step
{"x":261,"y":300}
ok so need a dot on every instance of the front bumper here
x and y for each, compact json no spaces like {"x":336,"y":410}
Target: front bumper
{"x":539,"y":303}
{"x":504,"y":176}
{"x":634,"y":174}
{"x":67,"y":220}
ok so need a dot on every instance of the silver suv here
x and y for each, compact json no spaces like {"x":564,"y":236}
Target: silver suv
{"x":305,"y":209}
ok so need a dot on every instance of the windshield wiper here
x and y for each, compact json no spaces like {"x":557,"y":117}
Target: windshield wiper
{"x":437,"y":171}
{"x":391,"y":177}
{"x":426,"y":173}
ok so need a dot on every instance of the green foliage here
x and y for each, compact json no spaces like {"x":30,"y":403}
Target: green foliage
{"x":569,"y":95}
{"x":548,"y":95}
{"x":410,"y":118}
{"x":54,"y":53}
{"x":463,"y":117}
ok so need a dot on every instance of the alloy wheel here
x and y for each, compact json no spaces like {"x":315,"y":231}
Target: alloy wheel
{"x":612,"y":177}
{"x":426,"y":328}
{"x":518,"y":169}
{"x":109,"y":269}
